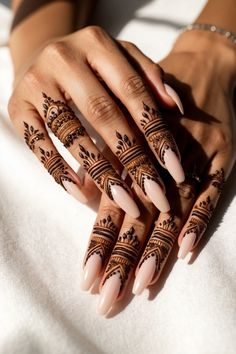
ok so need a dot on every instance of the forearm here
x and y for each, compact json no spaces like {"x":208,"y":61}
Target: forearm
{"x":38,"y":22}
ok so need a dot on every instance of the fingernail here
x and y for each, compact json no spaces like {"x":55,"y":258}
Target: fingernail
{"x":186,"y":244}
{"x":156,"y":195}
{"x":109,"y":293}
{"x":91,"y":271}
{"x":173,"y":165}
{"x":125,"y":201}
{"x":74,"y":190}
{"x":144,"y":276}
{"x":175,"y":97}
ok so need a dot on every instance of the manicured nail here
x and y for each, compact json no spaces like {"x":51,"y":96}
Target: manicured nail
{"x":175,"y":97}
{"x":186,"y":244}
{"x":125,"y":201}
{"x":156,"y":195}
{"x":173,"y":165}
{"x":144,"y":276}
{"x":74,"y":190}
{"x":109,"y":293}
{"x":91,"y":271}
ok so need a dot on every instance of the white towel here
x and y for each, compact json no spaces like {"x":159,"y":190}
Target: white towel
{"x":44,"y":234}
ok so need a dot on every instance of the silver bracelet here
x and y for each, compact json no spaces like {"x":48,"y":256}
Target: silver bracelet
{"x":212,"y":28}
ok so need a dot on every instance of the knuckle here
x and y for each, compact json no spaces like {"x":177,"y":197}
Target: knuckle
{"x":95,"y":32}
{"x":134,"y":86}
{"x":223,"y":140}
{"x":56,"y":51}
{"x":101,"y":109}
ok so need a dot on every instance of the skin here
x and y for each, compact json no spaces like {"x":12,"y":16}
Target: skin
{"x":206,"y":131}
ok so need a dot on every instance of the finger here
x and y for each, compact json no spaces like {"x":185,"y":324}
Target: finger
{"x":130,"y":87}
{"x":102,"y":112}
{"x":66,"y":126}
{"x":203,"y":208}
{"x":153,"y":74}
{"x":32,"y":129}
{"x":104,"y":234}
{"x":123,"y":259}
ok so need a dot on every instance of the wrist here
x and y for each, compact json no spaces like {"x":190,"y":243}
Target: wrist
{"x":213,"y":47}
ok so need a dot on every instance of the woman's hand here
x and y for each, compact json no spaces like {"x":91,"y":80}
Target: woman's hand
{"x":206,"y":138}
{"x":88,"y":67}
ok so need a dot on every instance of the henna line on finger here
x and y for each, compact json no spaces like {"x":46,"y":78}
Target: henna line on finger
{"x":31,"y":135}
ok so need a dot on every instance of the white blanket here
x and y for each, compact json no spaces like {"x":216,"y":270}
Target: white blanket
{"x":44,"y":234}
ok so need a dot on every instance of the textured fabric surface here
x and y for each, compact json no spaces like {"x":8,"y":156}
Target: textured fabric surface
{"x":44,"y":234}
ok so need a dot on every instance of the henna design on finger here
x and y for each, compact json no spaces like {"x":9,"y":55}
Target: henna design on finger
{"x":218,"y":180}
{"x":160,"y":243}
{"x":156,"y":131}
{"x":124,"y":256}
{"x":136,"y":161}
{"x":54,"y":164}
{"x":62,"y":121}
{"x":31,"y":135}
{"x":103,"y":238}
{"x":101,"y":171}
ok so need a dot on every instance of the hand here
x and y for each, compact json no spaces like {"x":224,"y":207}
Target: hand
{"x":87,"y":67}
{"x":206,"y":140}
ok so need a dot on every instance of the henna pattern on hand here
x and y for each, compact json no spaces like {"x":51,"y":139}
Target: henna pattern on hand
{"x":101,"y":171}
{"x":161,"y":242}
{"x":200,"y":218}
{"x":31,"y":135}
{"x":55,"y":166}
{"x":218,"y":180}
{"x":124,"y":256}
{"x":103,"y":238}
{"x":136,"y":162}
{"x":156,"y":131}
{"x":62,"y":121}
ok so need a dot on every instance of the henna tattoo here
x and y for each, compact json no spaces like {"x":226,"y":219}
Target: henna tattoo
{"x":103,"y":238}
{"x":55,"y":166}
{"x":31,"y":135}
{"x":200,"y":218}
{"x":161,"y":242}
{"x":62,"y":121}
{"x":124,"y":256}
{"x":157,"y":132}
{"x":137,"y":163}
{"x":101,"y":171}
{"x":218,"y":180}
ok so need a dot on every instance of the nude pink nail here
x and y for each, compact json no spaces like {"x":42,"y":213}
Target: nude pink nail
{"x":91,"y":271}
{"x":173,"y":165}
{"x":109,"y":293}
{"x":175,"y":97}
{"x":144,"y":275}
{"x":186,"y":244}
{"x":156,"y":195}
{"x":125,"y":201}
{"x":74,"y":190}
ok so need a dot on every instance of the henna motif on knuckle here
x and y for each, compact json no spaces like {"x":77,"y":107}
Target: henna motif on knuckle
{"x":103,"y":238}
{"x":101,"y":171}
{"x":156,"y":131}
{"x":31,"y":135}
{"x":62,"y":121}
{"x":161,"y":242}
{"x":218,"y":180}
{"x":136,"y":162}
{"x":124,"y":256}
{"x":55,"y":166}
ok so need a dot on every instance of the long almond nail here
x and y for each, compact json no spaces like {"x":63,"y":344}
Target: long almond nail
{"x":109,"y":294}
{"x":186,"y":244}
{"x":175,"y":97}
{"x":74,"y":190}
{"x":144,"y":276}
{"x":156,"y":195}
{"x":173,"y":165}
{"x":125,"y":201}
{"x":91,"y":271}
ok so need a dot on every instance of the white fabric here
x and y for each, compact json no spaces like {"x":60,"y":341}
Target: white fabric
{"x":44,"y":234}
